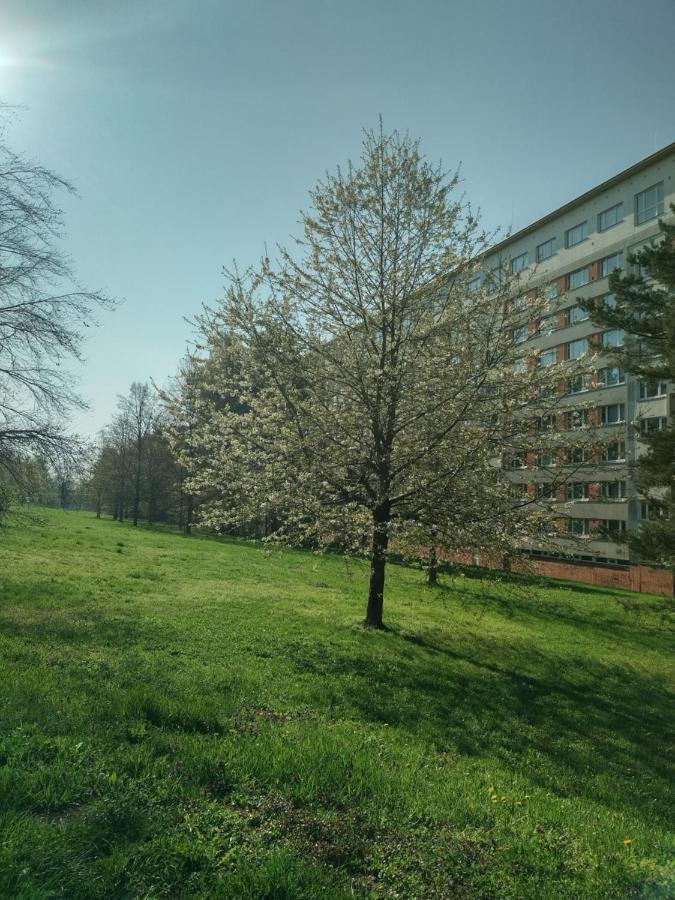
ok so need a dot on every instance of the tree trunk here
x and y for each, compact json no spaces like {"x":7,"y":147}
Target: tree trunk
{"x":188,"y":515}
{"x":137,"y":481}
{"x":378,"y":562}
{"x":432,"y":571}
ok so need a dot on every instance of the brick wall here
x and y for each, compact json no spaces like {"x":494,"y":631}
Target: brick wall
{"x":642,"y":579}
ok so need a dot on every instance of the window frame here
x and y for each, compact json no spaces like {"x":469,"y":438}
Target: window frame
{"x":475,"y":283}
{"x":610,"y":525}
{"x":661,"y":388}
{"x":545,"y":354}
{"x":569,"y":234}
{"x":604,"y":343}
{"x":621,"y":408}
{"x":662,"y":423}
{"x":605,"y":262}
{"x":619,"y":459}
{"x":621,"y":489}
{"x":517,"y":334}
{"x":569,"y":320}
{"x":585,"y":380}
{"x":542,"y":494}
{"x":568,"y":348}
{"x":569,"y":419}
{"x":550,"y":243}
{"x":576,"y":462}
{"x":570,"y":277}
{"x":550,"y":320}
{"x":617,"y":220}
{"x":603,"y":383}
{"x":641,"y":215}
{"x":572,"y":487}
{"x":584,"y":531}
{"x":519,"y":263}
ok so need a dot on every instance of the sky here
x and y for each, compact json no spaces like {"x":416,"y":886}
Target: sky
{"x":193,"y":131}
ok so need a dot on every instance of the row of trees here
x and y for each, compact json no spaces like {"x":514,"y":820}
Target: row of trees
{"x":132,"y":473}
{"x":362,"y":389}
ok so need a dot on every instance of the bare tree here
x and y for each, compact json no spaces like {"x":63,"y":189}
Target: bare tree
{"x":43,"y":311}
{"x":139,"y":412}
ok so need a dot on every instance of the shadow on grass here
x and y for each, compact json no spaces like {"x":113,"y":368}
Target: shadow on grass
{"x":573,"y":723}
{"x":620,"y":620}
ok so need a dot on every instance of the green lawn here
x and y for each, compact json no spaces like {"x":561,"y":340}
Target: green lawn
{"x":185,"y":717}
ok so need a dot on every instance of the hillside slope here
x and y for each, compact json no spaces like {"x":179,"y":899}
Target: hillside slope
{"x":187,"y":717}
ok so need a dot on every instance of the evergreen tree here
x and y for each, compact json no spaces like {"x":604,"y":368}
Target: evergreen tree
{"x":644,"y":307}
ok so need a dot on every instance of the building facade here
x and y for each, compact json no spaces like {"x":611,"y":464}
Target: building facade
{"x":569,"y":254}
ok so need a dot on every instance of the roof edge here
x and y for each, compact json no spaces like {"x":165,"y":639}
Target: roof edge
{"x":587,"y":195}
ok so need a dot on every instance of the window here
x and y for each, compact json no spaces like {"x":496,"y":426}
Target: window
{"x":652,"y":423}
{"x":576,"y":455}
{"x":610,"y":217}
{"x":576,"y":418}
{"x":652,"y":388}
{"x":578,"y":384}
{"x":545,"y":458}
{"x":649,"y":203}
{"x":613,"y":528}
{"x":614,"y":452}
{"x":546,"y":250}
{"x":547,"y":324}
{"x":577,"y":526}
{"x":518,"y":303}
{"x":610,"y":263}
{"x":608,"y":301}
{"x":545,"y":491}
{"x":578,"y":278}
{"x":611,"y":375}
{"x":518,"y":263}
{"x":545,"y":423}
{"x":648,"y":511}
{"x":575,"y":349}
{"x":613,"y":490}
{"x":475,"y":283}
{"x":519,"y":365}
{"x":519,"y":335}
{"x":636,"y":267}
{"x":495,"y":276}
{"x":519,"y":491}
{"x":575,"y":314}
{"x":517,"y":461}
{"x":613,"y":338}
{"x":576,"y":235}
{"x":551,"y":291}
{"x":547,"y":358}
{"x":578,"y":491}
{"x":613,"y":413}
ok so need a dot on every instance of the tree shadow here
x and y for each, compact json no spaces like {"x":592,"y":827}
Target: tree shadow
{"x":582,"y":718}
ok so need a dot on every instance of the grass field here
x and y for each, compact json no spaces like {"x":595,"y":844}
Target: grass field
{"x":185,"y":717}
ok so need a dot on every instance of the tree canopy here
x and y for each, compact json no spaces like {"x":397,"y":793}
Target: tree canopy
{"x":365,"y":386}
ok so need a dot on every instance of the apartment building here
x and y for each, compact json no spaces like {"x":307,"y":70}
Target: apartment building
{"x":569,"y":254}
